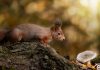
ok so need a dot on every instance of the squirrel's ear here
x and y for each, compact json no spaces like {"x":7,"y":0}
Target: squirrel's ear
{"x":58,"y":22}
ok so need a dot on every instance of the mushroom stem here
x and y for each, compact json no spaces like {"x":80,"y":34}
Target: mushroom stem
{"x":89,"y":64}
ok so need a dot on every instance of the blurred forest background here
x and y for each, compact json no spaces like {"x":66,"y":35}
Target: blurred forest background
{"x":81,"y":24}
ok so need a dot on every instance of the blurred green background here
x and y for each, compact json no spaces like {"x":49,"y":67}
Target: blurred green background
{"x":81,"y":24}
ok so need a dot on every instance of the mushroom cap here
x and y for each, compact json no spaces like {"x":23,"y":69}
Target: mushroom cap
{"x":86,"y":56}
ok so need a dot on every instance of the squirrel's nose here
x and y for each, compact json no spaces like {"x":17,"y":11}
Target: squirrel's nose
{"x":63,"y":38}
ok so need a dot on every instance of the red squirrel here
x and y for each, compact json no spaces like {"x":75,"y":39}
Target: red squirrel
{"x":27,"y":32}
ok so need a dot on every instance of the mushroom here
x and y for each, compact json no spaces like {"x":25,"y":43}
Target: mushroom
{"x":86,"y":56}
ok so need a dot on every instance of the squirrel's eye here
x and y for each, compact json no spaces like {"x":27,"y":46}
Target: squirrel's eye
{"x":58,"y":33}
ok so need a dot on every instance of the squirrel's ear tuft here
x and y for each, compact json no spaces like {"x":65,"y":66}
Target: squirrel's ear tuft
{"x":58,"y":22}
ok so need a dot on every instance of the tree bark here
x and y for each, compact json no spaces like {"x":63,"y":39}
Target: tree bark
{"x":32,"y":56}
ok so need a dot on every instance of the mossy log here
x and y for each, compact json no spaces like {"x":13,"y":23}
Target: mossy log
{"x":32,"y":56}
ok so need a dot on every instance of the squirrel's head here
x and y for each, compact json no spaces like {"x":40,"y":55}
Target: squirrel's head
{"x":56,"y":30}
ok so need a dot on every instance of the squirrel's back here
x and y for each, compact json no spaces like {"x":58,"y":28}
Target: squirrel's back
{"x":29,"y":31}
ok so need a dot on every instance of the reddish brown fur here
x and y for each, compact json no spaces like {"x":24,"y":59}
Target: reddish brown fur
{"x":28,"y":32}
{"x":3,"y":33}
